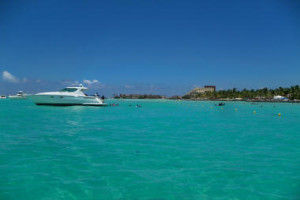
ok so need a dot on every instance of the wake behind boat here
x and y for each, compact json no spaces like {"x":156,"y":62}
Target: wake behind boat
{"x":68,"y":96}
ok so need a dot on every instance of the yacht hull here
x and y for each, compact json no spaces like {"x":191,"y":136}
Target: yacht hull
{"x":59,"y":100}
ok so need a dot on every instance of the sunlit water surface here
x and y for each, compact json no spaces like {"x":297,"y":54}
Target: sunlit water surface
{"x":163,"y":150}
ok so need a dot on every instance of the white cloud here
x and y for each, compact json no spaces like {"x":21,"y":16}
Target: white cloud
{"x":89,"y":82}
{"x":6,"y":76}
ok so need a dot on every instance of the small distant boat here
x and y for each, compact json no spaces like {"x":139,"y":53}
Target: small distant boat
{"x":220,"y":104}
{"x":2,"y":97}
{"x":20,"y":95}
{"x":68,"y":96}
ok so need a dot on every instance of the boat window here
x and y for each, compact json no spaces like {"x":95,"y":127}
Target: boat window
{"x":68,"y":90}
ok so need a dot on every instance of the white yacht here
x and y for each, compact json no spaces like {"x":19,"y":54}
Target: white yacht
{"x":19,"y":95}
{"x":67,"y":97}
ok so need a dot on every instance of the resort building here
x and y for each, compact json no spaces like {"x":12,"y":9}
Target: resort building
{"x":278,"y":97}
{"x":207,"y":88}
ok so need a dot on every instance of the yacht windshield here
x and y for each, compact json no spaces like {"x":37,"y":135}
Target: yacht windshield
{"x":68,"y":90}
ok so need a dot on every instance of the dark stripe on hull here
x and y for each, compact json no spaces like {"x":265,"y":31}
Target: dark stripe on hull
{"x":58,"y":104}
{"x":68,"y":104}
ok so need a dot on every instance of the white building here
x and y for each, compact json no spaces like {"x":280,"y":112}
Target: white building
{"x":207,"y":88}
{"x":278,"y":97}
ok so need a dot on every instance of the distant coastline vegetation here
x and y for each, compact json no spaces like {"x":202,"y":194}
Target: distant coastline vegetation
{"x":291,"y":93}
{"x":138,"y":96}
{"x":264,"y":94}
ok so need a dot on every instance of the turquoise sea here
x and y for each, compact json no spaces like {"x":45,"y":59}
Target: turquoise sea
{"x":165,"y":150}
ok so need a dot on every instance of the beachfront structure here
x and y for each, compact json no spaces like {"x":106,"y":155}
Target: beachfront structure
{"x":207,"y":88}
{"x":278,"y":97}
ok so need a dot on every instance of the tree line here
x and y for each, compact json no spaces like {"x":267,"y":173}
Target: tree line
{"x":292,"y":93}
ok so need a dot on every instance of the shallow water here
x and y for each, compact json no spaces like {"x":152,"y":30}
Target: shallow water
{"x":163,"y":150}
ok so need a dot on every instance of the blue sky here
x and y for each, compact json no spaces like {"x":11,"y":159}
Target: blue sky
{"x":162,"y":47}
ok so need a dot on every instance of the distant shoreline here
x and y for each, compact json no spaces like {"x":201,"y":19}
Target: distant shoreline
{"x":249,"y":101}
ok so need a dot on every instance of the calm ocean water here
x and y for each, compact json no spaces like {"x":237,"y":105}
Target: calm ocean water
{"x":163,"y":150}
